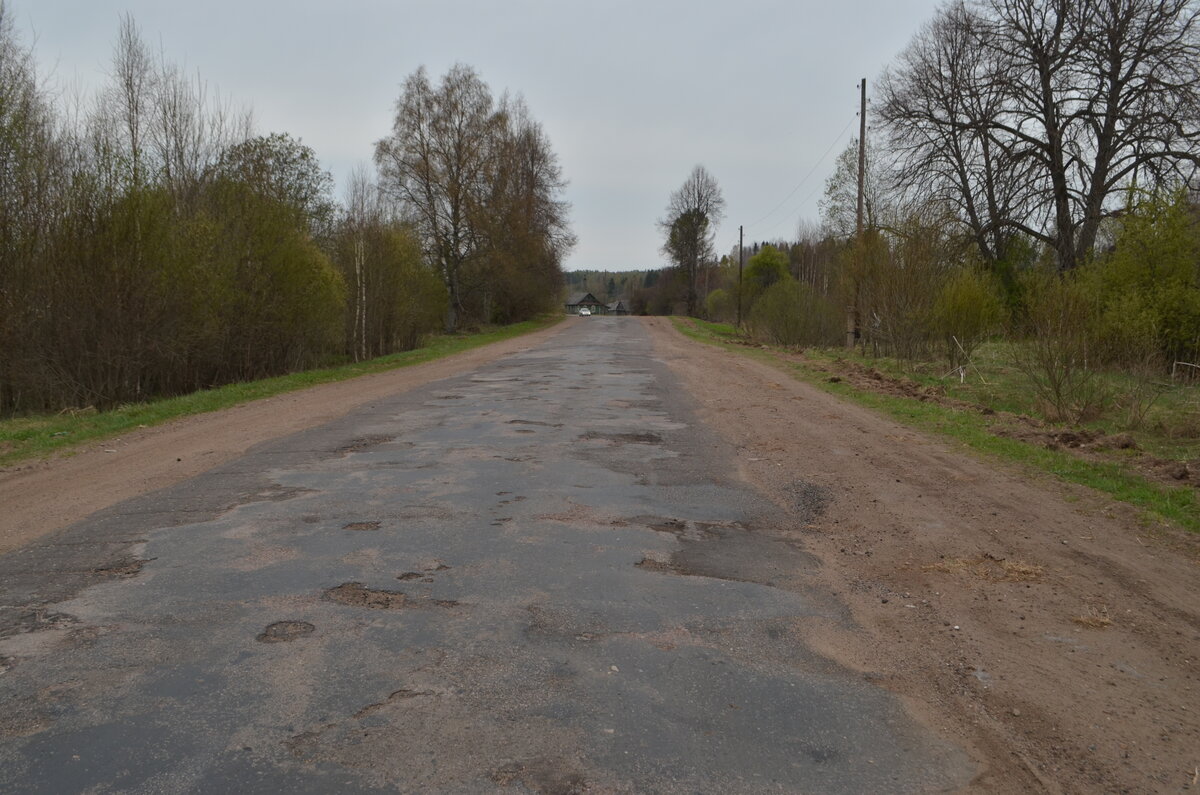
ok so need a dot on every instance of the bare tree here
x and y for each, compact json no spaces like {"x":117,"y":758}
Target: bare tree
{"x":693,"y":213}
{"x":131,"y":97}
{"x":939,"y":103}
{"x":1036,"y":115}
{"x":435,"y":164}
{"x":839,"y":204}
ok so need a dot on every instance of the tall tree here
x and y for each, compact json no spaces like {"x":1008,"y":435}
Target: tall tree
{"x":1036,"y":115}
{"x":435,"y":164}
{"x":693,"y":212}
{"x":940,"y":101}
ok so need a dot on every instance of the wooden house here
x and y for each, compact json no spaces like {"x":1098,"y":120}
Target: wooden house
{"x":580,"y":300}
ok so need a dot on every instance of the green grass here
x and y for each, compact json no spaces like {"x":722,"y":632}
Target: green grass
{"x":1174,"y":504}
{"x":1170,"y":429}
{"x":37,"y":436}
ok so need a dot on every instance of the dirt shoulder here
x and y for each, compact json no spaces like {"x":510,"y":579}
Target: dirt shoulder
{"x":43,"y":496}
{"x":1048,"y":629}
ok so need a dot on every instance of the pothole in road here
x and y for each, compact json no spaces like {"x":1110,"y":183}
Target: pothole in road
{"x":657,"y":565}
{"x":276,"y":493}
{"x":355,"y":594}
{"x":363,"y":443}
{"x":682,"y":529}
{"x":423,"y":575}
{"x":123,"y":569}
{"x":541,"y":775}
{"x":361,"y":526}
{"x":285,"y":631}
{"x":729,"y":551}
{"x":393,"y":698}
{"x":32,"y":619}
{"x":642,"y":437}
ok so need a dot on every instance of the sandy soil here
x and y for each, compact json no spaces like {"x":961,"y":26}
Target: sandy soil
{"x":44,"y":496}
{"x":1046,"y":628}
{"x":1049,"y":631}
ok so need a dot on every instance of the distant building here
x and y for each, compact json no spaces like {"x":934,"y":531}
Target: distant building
{"x":618,"y":308}
{"x":580,"y":300}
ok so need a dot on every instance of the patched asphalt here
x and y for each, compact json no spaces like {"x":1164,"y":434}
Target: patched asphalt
{"x":542,"y":575}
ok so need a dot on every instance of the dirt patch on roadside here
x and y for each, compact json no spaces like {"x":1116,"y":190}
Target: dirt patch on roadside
{"x":1049,"y":630}
{"x":35,"y":502}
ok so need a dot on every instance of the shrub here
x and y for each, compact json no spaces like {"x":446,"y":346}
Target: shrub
{"x":720,"y":305}
{"x":790,"y":313}
{"x":1060,"y":355}
{"x":966,"y":311}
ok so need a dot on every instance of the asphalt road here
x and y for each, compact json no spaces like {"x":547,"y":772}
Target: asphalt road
{"x":541,"y":575}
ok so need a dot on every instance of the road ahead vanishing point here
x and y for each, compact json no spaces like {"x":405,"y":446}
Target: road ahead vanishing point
{"x":540,"y":576}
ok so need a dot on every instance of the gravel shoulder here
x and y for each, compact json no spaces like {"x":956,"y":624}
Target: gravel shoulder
{"x":41,"y":497}
{"x":1050,"y":630}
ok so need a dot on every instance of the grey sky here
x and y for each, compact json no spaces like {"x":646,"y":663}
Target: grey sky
{"x":632,"y":94}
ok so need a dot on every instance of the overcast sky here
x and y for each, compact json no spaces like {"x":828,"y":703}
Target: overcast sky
{"x":632,"y":94}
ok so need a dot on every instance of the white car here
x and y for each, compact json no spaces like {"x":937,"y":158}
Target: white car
{"x":584,"y":312}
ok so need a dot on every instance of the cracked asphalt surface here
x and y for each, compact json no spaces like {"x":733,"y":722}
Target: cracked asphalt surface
{"x":542,"y":575}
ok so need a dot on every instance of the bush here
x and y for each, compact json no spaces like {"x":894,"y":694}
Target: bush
{"x":1150,"y":282}
{"x":1060,"y":355}
{"x":966,"y":311}
{"x":720,"y":305}
{"x":790,"y":313}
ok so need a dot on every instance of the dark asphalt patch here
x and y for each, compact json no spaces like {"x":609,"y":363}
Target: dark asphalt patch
{"x":285,"y":631}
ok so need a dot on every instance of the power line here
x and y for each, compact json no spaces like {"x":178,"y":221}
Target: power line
{"x":811,"y":171}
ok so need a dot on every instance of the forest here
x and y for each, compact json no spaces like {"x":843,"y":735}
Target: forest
{"x":153,"y":243}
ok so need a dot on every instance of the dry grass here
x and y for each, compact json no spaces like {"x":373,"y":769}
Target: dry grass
{"x":988,"y":568}
{"x":1095,"y":619}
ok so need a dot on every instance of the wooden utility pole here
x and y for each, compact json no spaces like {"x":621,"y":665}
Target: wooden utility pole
{"x":741,"y":261}
{"x":853,"y":316}
{"x":862,"y":157}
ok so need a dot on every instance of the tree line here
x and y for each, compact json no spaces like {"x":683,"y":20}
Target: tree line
{"x":152,"y":243}
{"x":1031,"y":169}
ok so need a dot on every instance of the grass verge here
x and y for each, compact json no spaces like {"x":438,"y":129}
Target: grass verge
{"x":1174,"y":504}
{"x":36,"y":436}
